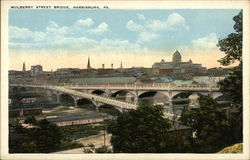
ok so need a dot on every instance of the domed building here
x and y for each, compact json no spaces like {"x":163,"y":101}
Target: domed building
{"x":176,"y":57}
{"x":177,"y":67}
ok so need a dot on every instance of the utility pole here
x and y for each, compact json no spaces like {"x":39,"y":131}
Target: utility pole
{"x":104,"y":134}
{"x":104,"y":138}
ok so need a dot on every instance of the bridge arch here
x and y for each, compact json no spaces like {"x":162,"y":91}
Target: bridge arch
{"x":86,"y":103}
{"x":66,"y":99}
{"x":113,"y":110}
{"x":181,"y":95}
{"x":153,"y":97}
{"x":125,"y":95}
{"x":98,"y":92}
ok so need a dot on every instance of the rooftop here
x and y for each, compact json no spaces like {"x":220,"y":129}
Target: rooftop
{"x":103,"y":80}
{"x":77,"y":117}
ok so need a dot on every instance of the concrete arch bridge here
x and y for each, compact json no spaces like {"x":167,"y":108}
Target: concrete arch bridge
{"x":107,"y":94}
{"x":97,"y":100}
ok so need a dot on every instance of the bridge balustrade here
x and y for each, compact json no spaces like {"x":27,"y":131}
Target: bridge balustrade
{"x":135,"y":86}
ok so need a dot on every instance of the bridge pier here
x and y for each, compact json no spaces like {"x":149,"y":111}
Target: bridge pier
{"x":58,"y":98}
{"x":136,"y":101}
{"x":97,"y":104}
{"x":170,"y":101}
{"x":75,"y":102}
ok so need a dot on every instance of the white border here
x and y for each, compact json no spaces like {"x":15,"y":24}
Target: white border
{"x":222,"y":4}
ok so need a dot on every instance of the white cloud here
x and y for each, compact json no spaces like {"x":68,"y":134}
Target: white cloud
{"x":114,"y":42}
{"x":207,"y":42}
{"x":146,"y":32}
{"x":176,"y":19}
{"x":147,"y":36}
{"x":131,"y":25}
{"x":80,"y":27}
{"x":52,"y":24}
{"x":18,"y":33}
{"x":143,"y":34}
{"x":84,"y":22}
{"x":53,"y":39}
{"x":174,"y":22}
{"x":141,"y":16}
{"x":54,"y":33}
{"x":157,"y":25}
{"x":103,"y":27}
{"x":39,"y":36}
{"x":54,"y":28}
{"x":73,"y":43}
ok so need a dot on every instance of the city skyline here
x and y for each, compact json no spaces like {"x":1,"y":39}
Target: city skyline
{"x":138,"y":38}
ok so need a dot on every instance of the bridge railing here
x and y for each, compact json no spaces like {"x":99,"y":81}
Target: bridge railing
{"x":62,"y":89}
{"x":169,"y":86}
{"x":143,"y":86}
{"x":102,"y":99}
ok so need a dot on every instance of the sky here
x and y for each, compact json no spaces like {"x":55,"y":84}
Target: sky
{"x":137,"y":38}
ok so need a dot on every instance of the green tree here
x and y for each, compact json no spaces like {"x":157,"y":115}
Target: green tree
{"x":47,"y":137}
{"x":103,"y":149}
{"x":30,"y":120}
{"x":210,"y":125}
{"x":232,"y":45}
{"x":44,"y":137}
{"x":140,"y":131}
{"x":232,"y":85}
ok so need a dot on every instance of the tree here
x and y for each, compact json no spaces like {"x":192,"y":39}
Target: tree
{"x":30,"y":120}
{"x":210,"y":125}
{"x":140,"y":131}
{"x":44,"y":137}
{"x":232,"y":45}
{"x":232,"y":85}
{"x":103,"y":149}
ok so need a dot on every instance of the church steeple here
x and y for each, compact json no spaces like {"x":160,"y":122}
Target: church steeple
{"x":24,"y":68}
{"x":88,"y":65}
{"x":121,"y":65}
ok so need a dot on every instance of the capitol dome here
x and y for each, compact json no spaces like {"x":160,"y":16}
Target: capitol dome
{"x":176,"y":57}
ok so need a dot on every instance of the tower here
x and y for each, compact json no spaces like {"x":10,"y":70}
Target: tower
{"x":176,"y":57}
{"x":88,"y":65}
{"x":24,"y":68}
{"x":121,"y":65}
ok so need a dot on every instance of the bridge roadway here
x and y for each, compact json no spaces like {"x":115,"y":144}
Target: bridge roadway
{"x":97,"y":98}
{"x":169,"y":89}
{"x":148,"y":87}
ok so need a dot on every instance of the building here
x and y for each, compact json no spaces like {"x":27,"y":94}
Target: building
{"x":25,"y":112}
{"x":24,"y":68}
{"x":36,"y":70}
{"x":177,"y":67}
{"x":68,"y":120}
{"x":88,"y":65}
{"x":68,"y":71}
{"x":208,"y":79}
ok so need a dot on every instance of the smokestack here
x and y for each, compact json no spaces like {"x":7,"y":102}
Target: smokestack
{"x":112,"y":65}
{"x":103,"y":66}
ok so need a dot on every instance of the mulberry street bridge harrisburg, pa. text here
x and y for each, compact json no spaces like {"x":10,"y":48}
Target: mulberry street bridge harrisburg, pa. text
{"x":77,"y":92}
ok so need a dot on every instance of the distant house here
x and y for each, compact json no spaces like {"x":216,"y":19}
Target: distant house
{"x":78,"y":119}
{"x":103,"y":80}
{"x":25,"y":112}
{"x":208,"y":79}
